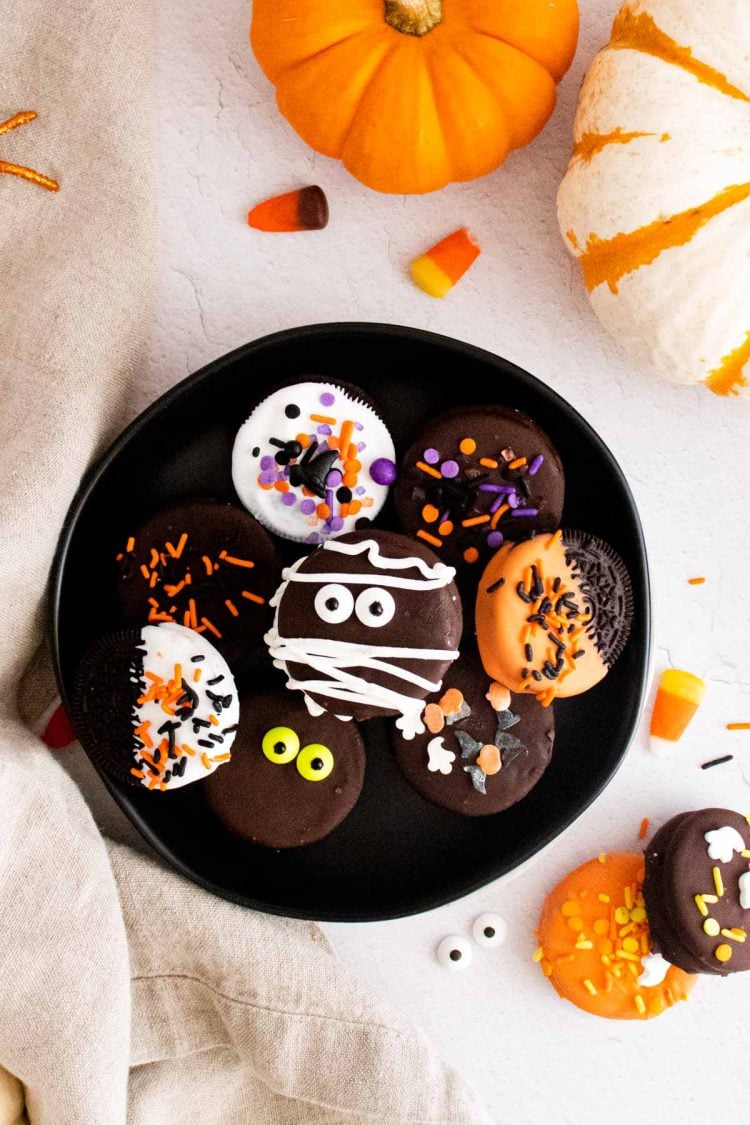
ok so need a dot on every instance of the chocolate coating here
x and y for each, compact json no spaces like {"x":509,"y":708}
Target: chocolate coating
{"x":422,"y":619}
{"x":273,"y":804}
{"x":212,"y":528}
{"x":522,"y":766}
{"x":678,"y":868}
{"x":494,"y":430}
{"x":104,"y":698}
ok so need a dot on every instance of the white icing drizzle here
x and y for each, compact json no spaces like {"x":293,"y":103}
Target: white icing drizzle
{"x":744,"y":882}
{"x":439,"y":759}
{"x":165,"y":646}
{"x":654,"y":971}
{"x":723,"y":843}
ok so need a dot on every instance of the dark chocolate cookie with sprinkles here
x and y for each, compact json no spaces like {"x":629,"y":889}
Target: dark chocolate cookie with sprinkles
{"x":156,"y":706}
{"x":202,"y":564}
{"x":293,"y":778}
{"x":483,"y":749}
{"x":475,"y":478}
{"x":697,"y":891}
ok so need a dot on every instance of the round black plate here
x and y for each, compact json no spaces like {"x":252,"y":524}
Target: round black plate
{"x":396,"y":854}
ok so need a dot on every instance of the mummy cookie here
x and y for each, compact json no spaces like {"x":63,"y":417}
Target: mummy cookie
{"x":156,"y":706}
{"x":475,"y":478}
{"x":205,"y":565}
{"x":553,"y":614}
{"x":697,"y":891}
{"x":312,"y":461}
{"x":596,"y":943}
{"x":292,"y":778}
{"x":367,"y":625}
{"x":482,"y":749}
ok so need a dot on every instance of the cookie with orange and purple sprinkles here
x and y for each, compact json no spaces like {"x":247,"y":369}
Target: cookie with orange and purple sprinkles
{"x":475,"y":478}
{"x":205,"y":565}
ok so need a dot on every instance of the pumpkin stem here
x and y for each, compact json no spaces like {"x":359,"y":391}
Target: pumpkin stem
{"x":413,"y":17}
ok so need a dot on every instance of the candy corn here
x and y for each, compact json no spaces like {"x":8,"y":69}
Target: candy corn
{"x":678,"y":698}
{"x":305,"y":209}
{"x":437,"y":271}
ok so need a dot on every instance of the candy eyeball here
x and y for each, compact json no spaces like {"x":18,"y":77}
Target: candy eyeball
{"x":315,"y":762}
{"x":489,"y":930}
{"x":334,"y":603}
{"x":280,"y":745}
{"x":455,"y":953}
{"x":375,"y":607}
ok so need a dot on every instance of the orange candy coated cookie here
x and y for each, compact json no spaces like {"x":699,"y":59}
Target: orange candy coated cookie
{"x":593,"y":936}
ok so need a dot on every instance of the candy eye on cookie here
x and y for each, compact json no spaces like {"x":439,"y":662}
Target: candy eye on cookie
{"x":375,"y":607}
{"x":334,"y":603}
{"x":281,"y":745}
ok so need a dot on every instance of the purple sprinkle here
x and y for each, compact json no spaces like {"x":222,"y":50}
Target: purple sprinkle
{"x":504,"y":488}
{"x":313,"y":537}
{"x":444,"y":517}
{"x":513,"y":500}
{"x":267,"y":462}
{"x":268,"y":477}
{"x":334,"y":478}
{"x":526,"y":512}
{"x":325,"y":430}
{"x":307,"y":507}
{"x":498,"y":503}
{"x":358,"y":426}
{"x":383,"y":471}
{"x":289,"y":499}
{"x":431,"y":456}
{"x":335,"y":524}
{"x":536,"y":465}
{"x":327,"y":399}
{"x":360,"y":491}
{"x":495,"y":539}
{"x":449,"y":469}
{"x":329,"y":500}
{"x":361,"y":445}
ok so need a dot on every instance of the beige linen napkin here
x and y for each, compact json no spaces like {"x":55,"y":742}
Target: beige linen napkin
{"x":127,"y":994}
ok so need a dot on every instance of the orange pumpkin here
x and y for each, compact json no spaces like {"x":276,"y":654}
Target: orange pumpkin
{"x":413,"y":94}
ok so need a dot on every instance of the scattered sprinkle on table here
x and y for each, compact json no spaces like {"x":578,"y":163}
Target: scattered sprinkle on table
{"x":717,"y":762}
{"x":738,"y":726}
{"x":644,"y":828}
{"x":696,"y":581}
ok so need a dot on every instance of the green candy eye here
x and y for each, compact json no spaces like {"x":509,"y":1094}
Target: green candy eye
{"x":315,"y":762}
{"x":280,"y":745}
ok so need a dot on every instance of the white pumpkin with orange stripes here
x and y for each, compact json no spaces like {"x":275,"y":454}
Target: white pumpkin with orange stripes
{"x":656,"y":200}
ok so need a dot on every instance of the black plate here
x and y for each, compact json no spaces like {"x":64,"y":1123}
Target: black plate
{"x":396,"y":854}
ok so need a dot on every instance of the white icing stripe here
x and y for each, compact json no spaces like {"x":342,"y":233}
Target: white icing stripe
{"x":366,"y":580}
{"x":335,"y":659}
{"x":375,"y":558}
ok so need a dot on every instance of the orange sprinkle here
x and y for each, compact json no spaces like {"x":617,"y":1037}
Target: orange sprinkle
{"x":211,"y":627}
{"x":434,"y":719}
{"x":129,"y":546}
{"x":349,"y":480}
{"x":347,"y":429}
{"x":253,"y":597}
{"x":555,"y":539}
{"x":446,"y":528}
{"x":207,"y":564}
{"x":696,"y":581}
{"x":138,"y":773}
{"x":237,"y":562}
{"x":430,"y":513}
{"x":171,"y":549}
{"x":431,"y":539}
{"x":153,"y":580}
{"x":281,"y":486}
{"x":323,"y":511}
{"x":644,"y":828}
{"x":324,"y":419}
{"x":471,"y":554}
{"x":205,"y":761}
{"x":173,"y":591}
{"x":488,"y":462}
{"x":304,"y":440}
{"x":429,"y":470}
{"x":154,"y":560}
{"x":145,"y":571}
{"x":519,"y":461}
{"x":193,"y":615}
{"x":213,"y":720}
{"x":738,"y":726}
{"x":499,"y":515}
{"x":468,"y":446}
{"x":221,"y":757}
{"x":232,"y":608}
{"x":187,"y":750}
{"x":354,"y":507}
{"x":197,"y":675}
{"x":475,"y":521}
{"x":181,"y":544}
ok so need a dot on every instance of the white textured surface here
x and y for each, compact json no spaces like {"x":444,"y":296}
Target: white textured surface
{"x":224,"y":147}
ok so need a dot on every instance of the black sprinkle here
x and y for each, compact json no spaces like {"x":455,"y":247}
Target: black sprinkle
{"x":279,"y":444}
{"x":215,"y":680}
{"x":717,"y":762}
{"x":537,"y":588}
{"x":216,"y":737}
{"x":196,"y":659}
{"x":537,"y":675}
{"x":157,"y":755}
{"x":546,"y":606}
{"x":168,"y":726}
{"x":256,"y":451}
{"x":206,"y":743}
{"x":577,"y":655}
{"x":178,"y":768}
{"x":521,"y":591}
{"x":556,"y":585}
{"x":167,"y":777}
{"x":495,"y":586}
{"x":550,"y":671}
{"x":524,"y":673}
{"x":559,"y":644}
{"x":528,"y":652}
{"x":292,"y":410}
{"x":228,"y":730}
{"x":536,"y":619}
{"x":198,"y":723}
